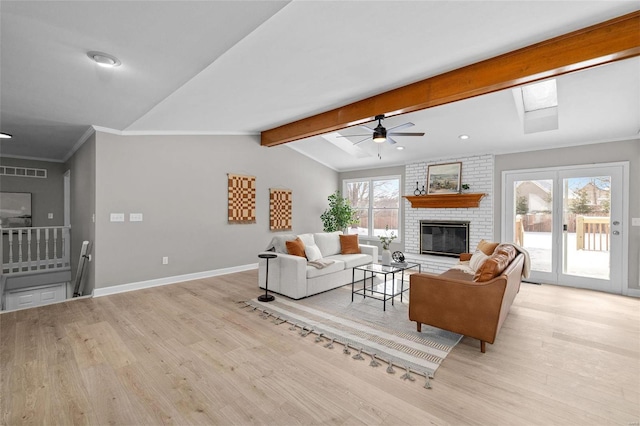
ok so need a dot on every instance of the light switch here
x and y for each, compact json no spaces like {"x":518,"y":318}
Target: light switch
{"x":635,"y":221}
{"x":50,"y":216}
{"x":135,"y":217}
{"x":117,"y":217}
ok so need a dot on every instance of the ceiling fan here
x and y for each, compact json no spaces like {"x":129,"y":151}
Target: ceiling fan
{"x":380,"y":134}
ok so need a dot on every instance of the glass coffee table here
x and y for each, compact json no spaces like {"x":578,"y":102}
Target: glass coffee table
{"x":384,"y":290}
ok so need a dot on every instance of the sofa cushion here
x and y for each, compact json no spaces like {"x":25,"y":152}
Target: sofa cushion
{"x":349,"y":244}
{"x":507,"y":249}
{"x":295,"y":247}
{"x":313,"y":252}
{"x":336,"y":266}
{"x":352,"y":260}
{"x":457,"y":274}
{"x":477,"y":259}
{"x":328,"y":242}
{"x":487,"y":247}
{"x":492,"y":267}
{"x":277,"y":243}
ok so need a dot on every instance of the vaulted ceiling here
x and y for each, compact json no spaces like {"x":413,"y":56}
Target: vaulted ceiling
{"x":231,"y":67}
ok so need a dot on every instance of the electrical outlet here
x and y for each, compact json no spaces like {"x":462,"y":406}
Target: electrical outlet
{"x":165,"y":260}
{"x":117,"y":217}
{"x":135,"y":217}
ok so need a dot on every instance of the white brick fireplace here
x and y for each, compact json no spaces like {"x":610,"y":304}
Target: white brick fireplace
{"x":477,"y":172}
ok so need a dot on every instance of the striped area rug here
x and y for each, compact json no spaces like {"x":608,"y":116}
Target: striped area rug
{"x":362,"y":330}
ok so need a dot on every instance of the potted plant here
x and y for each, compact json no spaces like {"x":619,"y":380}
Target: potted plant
{"x":339,"y":215}
{"x":386,"y":240}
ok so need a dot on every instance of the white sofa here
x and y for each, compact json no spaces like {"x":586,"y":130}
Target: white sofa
{"x":291,"y":275}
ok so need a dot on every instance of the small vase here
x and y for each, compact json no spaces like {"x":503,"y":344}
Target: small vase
{"x":386,"y":257}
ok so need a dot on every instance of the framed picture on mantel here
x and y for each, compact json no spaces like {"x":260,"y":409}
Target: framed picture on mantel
{"x":444,"y":178}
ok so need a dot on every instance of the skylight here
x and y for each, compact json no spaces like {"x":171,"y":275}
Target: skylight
{"x":540,"y":95}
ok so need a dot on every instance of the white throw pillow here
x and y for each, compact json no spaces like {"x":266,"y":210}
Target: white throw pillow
{"x":477,"y":259}
{"x":312,"y":252}
{"x":328,"y":242}
{"x":307,"y":239}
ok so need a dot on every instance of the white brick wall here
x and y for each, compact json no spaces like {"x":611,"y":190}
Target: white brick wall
{"x":477,"y":172}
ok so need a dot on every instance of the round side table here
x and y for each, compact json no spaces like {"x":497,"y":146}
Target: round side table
{"x":266,"y":297}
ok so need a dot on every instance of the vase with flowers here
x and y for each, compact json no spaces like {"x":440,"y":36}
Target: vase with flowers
{"x":386,"y":240}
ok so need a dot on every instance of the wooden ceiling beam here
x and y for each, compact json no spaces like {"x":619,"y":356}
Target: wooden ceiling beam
{"x":599,"y":44}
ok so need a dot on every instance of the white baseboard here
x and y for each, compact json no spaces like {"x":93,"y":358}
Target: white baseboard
{"x":122,"y":288}
{"x":633,"y":292}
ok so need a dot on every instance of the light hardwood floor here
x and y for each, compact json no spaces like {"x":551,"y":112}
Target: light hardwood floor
{"x":186,"y":354}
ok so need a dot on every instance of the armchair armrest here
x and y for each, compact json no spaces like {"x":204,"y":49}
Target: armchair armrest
{"x":465,"y":256}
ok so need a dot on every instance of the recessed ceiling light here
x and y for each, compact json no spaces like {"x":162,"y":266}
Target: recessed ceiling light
{"x":104,"y":59}
{"x":5,"y":136}
{"x":463,"y":137}
{"x":399,"y":148}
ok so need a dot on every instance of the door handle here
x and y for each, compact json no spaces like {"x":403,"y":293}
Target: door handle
{"x":616,"y":232}
{"x":564,"y":227}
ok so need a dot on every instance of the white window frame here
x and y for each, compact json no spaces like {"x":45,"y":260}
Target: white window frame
{"x":372,"y":179}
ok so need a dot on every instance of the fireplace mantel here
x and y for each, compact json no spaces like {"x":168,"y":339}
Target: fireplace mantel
{"x":440,"y":201}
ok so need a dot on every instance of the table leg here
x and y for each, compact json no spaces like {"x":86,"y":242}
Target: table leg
{"x":353,"y":281}
{"x":402,"y":286}
{"x":384,"y":297}
{"x":364,"y":286}
{"x":393,"y":287}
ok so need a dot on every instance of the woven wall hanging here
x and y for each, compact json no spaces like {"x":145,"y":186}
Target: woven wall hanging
{"x":280,"y":209}
{"x":242,"y":199}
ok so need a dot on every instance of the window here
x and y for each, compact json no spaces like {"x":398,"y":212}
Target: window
{"x":540,"y":95}
{"x":377,"y":202}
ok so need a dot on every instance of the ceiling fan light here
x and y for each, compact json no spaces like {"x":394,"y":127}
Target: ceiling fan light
{"x":379,"y":134}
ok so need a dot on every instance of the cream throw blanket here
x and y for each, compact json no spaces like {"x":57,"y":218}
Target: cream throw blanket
{"x":526,"y":269}
{"x":320,"y":263}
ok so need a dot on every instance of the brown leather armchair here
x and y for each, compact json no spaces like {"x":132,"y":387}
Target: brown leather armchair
{"x":453,"y":301}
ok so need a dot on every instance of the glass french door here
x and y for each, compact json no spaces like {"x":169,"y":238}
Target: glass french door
{"x":571,"y":223}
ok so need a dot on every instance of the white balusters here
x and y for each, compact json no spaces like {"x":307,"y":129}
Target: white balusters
{"x":46,"y":247}
{"x":29,"y":249}
{"x":38,"y":248}
{"x":20,"y":248}
{"x":28,"y":254}
{"x":10,"y":247}
{"x":55,"y":247}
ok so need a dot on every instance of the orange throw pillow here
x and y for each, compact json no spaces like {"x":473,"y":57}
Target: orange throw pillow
{"x":492,"y":267}
{"x":296,"y":247}
{"x":349,"y":244}
{"x":487,"y":247}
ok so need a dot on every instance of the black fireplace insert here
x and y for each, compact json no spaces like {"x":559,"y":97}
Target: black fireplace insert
{"x":444,"y":238}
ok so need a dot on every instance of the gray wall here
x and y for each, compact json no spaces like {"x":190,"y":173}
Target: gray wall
{"x":179,"y":184}
{"x":384,"y":171}
{"x":584,"y":154}
{"x":83,"y":200}
{"x":47,"y":195}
